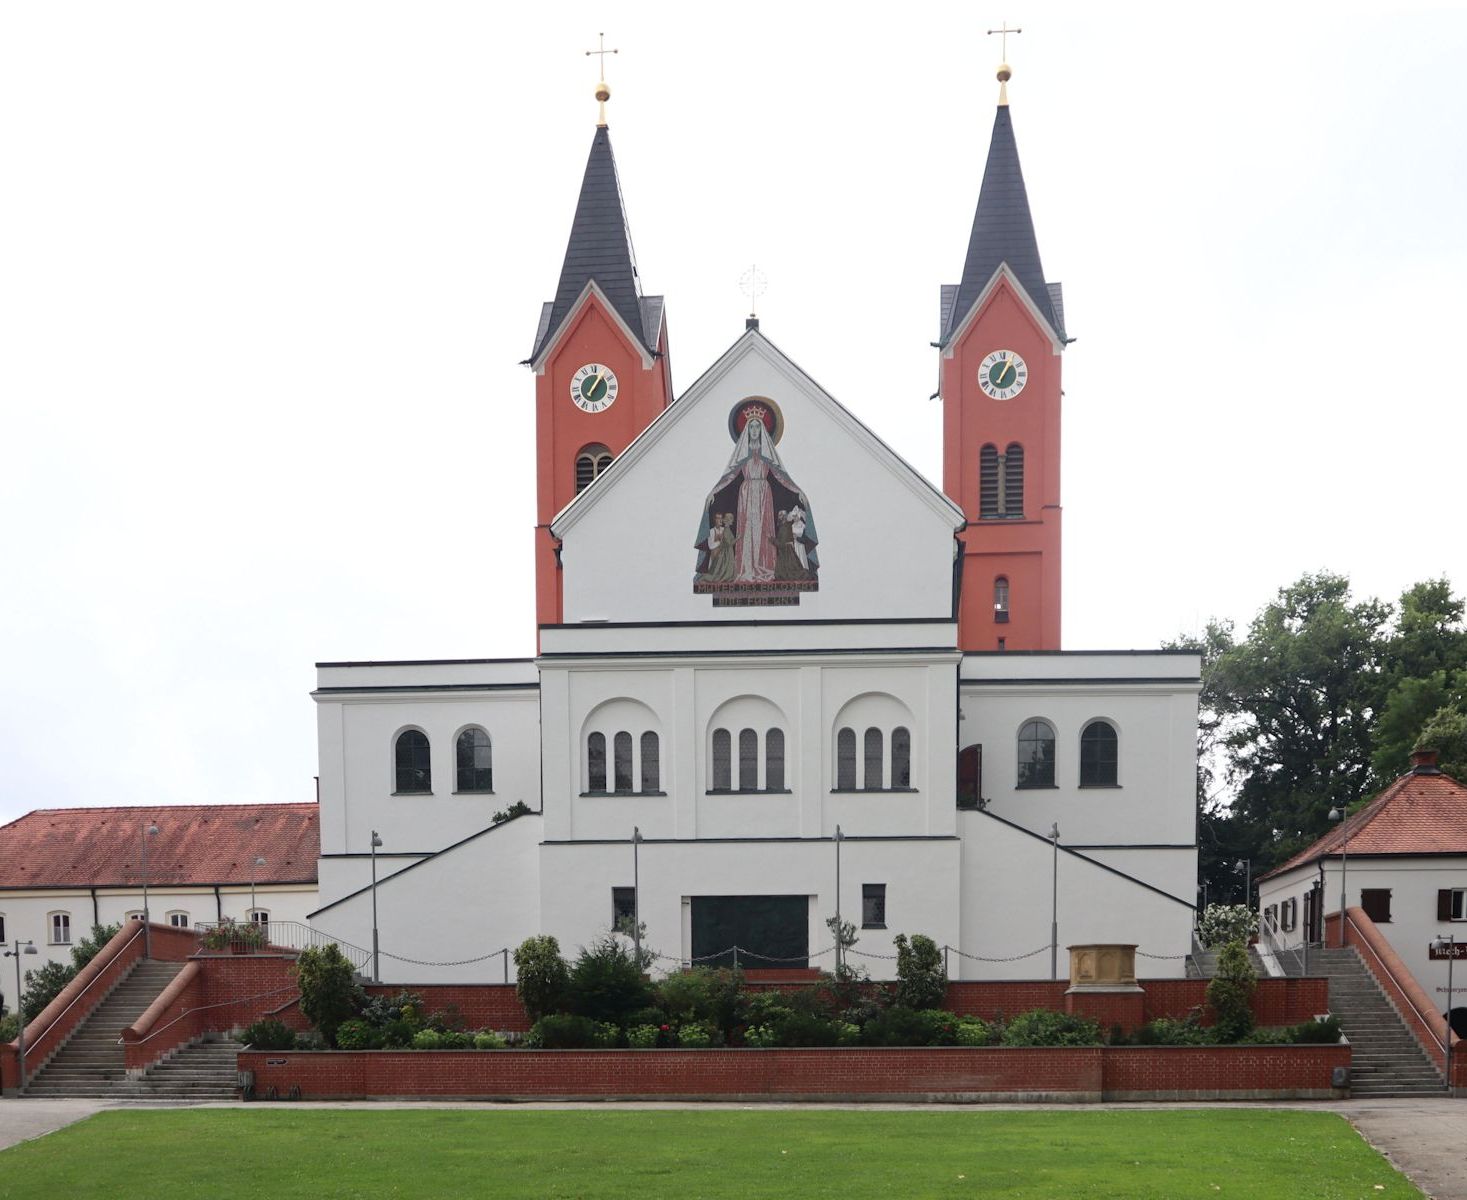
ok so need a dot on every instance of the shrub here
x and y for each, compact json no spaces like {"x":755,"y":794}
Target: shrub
{"x":760,"y":1036}
{"x":269,"y":1035}
{"x":9,"y":1028}
{"x":1230,"y":993}
{"x":1042,"y":1027}
{"x":541,"y":976}
{"x":427,"y":1039}
{"x":564,"y":1031}
{"x":769,"y":1008}
{"x":805,"y":1029}
{"x":1268,"y":1036}
{"x":356,"y":1034}
{"x":487,"y":1039}
{"x":42,"y":986}
{"x":229,"y":933}
{"x":847,"y":1033}
{"x":518,"y":809}
{"x":311,"y":1039}
{"x":454,"y":1039}
{"x":396,"y":1034}
{"x":1220,"y":924}
{"x":606,"y":983}
{"x":972,"y":1031}
{"x":330,"y":993}
{"x":695,"y":1037}
{"x":921,"y":979}
{"x":1320,"y":1031}
{"x":383,"y":1010}
{"x":1171,"y":1031}
{"x":643,"y":1037}
{"x":707,"y":995}
{"x":903,"y":1026}
{"x":448,"y":1019}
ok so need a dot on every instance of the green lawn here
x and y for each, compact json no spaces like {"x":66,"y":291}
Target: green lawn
{"x":279,"y":1154}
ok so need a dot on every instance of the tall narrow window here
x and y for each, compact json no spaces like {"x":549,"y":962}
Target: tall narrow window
{"x":970,"y":777}
{"x":414,"y":771}
{"x":651,"y":763}
{"x":623,"y":908}
{"x":621,"y":746}
{"x":596,"y":763}
{"x":845,"y":760}
{"x":774,"y":760}
{"x":722,"y":760}
{"x":1001,"y":599}
{"x":1098,"y":758}
{"x":873,"y":906}
{"x":988,"y":482}
{"x":60,"y":929}
{"x":179,"y":920}
{"x":748,"y":760}
{"x":871,"y":779}
{"x":901,"y":757}
{"x":590,"y":462}
{"x":1036,"y":755}
{"x":475,"y":762}
{"x":1013,"y":481}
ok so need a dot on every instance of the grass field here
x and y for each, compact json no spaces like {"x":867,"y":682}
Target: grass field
{"x":315,"y":1154}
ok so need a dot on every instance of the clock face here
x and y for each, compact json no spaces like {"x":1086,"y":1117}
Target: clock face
{"x":1003,"y":375}
{"x":593,"y":388}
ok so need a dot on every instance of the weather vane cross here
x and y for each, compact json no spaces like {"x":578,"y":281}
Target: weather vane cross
{"x":603,"y":93}
{"x":1003,"y":31}
{"x":753,"y":283}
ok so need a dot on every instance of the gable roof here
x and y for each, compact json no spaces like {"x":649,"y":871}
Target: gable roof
{"x":752,"y":341}
{"x":600,"y":249}
{"x":195,"y":844}
{"x":1422,"y":812}
{"x":1003,"y":233}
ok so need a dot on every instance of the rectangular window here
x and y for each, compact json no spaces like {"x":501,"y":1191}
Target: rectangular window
{"x":748,"y":761}
{"x":260,"y":917}
{"x":1377,"y":904}
{"x":1451,"y":904}
{"x":623,"y":907}
{"x":1289,"y":913}
{"x":61,"y":929}
{"x":135,"y":915}
{"x":179,"y":920}
{"x":873,"y":906}
{"x":2,"y":927}
{"x":621,"y":748}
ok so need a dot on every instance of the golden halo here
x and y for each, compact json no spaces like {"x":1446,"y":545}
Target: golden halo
{"x":736,"y":426}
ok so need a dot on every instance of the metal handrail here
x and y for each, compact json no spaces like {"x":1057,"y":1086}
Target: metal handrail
{"x":35,"y":1040}
{"x":290,"y":987}
{"x":293,"y":935}
{"x":1387,"y":972}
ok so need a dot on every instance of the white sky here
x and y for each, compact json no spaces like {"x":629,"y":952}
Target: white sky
{"x":267,"y":271}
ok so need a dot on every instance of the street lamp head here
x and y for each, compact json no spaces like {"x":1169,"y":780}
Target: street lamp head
{"x":1441,"y":945}
{"x":376,"y":840}
{"x":151,"y":830}
{"x":259,"y":860}
{"x":1337,"y":814}
{"x":30,"y":948}
{"x":1054,"y":832}
{"x":636,"y":834}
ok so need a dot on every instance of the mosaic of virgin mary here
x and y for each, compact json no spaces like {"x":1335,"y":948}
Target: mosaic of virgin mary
{"x":756,"y":538}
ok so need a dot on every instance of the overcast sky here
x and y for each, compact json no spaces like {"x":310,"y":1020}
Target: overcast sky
{"x":267,"y":272}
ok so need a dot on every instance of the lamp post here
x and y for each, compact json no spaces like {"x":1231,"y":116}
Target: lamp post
{"x":637,"y":895}
{"x":149,"y":830}
{"x":1340,"y":815}
{"x":255,"y":864}
{"x":376,"y":953}
{"x":1448,"y":943}
{"x":1247,"y":865}
{"x":839,"y":838}
{"x":30,"y":948}
{"x":1054,"y":907}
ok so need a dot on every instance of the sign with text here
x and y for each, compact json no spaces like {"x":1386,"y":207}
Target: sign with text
{"x":1457,"y":950}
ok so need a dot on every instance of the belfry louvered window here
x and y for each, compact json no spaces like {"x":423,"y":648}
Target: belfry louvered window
{"x":1013,"y":481}
{"x":590,"y":462}
{"x":988,"y":482}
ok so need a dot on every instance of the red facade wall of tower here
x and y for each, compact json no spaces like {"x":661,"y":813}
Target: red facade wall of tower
{"x":592,"y":335}
{"x":1023,"y":550}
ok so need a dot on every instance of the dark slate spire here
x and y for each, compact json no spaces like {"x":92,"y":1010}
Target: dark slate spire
{"x":600,"y":248}
{"x":1003,"y":232}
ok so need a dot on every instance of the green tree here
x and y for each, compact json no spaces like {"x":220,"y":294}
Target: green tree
{"x":606,"y":983}
{"x":921,"y":977}
{"x":1230,"y":994}
{"x":44,"y":984}
{"x":1410,"y":706}
{"x":541,"y":976}
{"x":1446,"y":733}
{"x":330,"y":993}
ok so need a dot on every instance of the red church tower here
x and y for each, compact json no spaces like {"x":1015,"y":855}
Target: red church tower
{"x":1001,"y":340}
{"x":600,"y":360}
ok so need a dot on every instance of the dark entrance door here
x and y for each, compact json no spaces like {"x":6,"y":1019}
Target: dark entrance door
{"x":770,"y":931}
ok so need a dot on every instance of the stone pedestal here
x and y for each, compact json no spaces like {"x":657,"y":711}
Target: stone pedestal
{"x":1103,"y":985}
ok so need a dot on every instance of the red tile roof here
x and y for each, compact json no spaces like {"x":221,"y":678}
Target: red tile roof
{"x":1420,"y":813}
{"x":195,"y":844}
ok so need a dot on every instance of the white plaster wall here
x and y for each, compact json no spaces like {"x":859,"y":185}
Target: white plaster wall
{"x":921,"y":880}
{"x":1006,"y":908}
{"x":463,"y":904}
{"x":1413,"y":926}
{"x":628,"y":546}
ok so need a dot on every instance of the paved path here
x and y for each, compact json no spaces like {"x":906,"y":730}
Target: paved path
{"x":1422,"y":1137}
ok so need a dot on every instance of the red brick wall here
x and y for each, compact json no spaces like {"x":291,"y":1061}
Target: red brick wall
{"x":1085,"y":1073}
{"x":1275,"y":1001}
{"x":483,"y":1005}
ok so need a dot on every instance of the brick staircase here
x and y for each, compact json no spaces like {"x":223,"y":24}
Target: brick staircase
{"x":1202,"y":964}
{"x":1387,"y":1058}
{"x":91,"y":1062}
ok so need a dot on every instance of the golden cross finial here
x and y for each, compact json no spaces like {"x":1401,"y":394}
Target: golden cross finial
{"x":603,"y":93}
{"x":1004,"y":73}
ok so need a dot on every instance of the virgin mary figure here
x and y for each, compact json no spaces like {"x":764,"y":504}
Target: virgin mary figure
{"x":756,"y":488}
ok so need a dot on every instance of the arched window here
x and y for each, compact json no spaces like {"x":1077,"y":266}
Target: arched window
{"x":590,"y":462}
{"x":596,"y":762}
{"x":970,"y":777}
{"x":621,"y":746}
{"x":414,"y":771}
{"x":722,"y":761}
{"x":748,"y":760}
{"x":1001,"y":599}
{"x":651,"y":763}
{"x":1036,"y":755}
{"x":1098,"y":757}
{"x":178,"y":919}
{"x":988,"y":482}
{"x":845,"y":760}
{"x":871,"y":779}
{"x":475,"y":762}
{"x":1013,"y":481}
{"x":774,"y":760}
{"x":901,"y":757}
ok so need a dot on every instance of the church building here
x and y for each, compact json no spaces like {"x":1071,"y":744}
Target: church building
{"x":781,"y":675}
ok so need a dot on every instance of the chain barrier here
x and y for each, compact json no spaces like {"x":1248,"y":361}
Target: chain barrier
{"x":985,"y":958}
{"x":1143,"y":954}
{"x":461,"y":962}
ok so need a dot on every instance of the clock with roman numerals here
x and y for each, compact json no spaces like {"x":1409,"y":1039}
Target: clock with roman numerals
{"x":1003,"y":375}
{"x":593,"y":388}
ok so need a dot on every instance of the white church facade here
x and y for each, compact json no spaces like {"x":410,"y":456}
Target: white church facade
{"x":780,"y":674}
